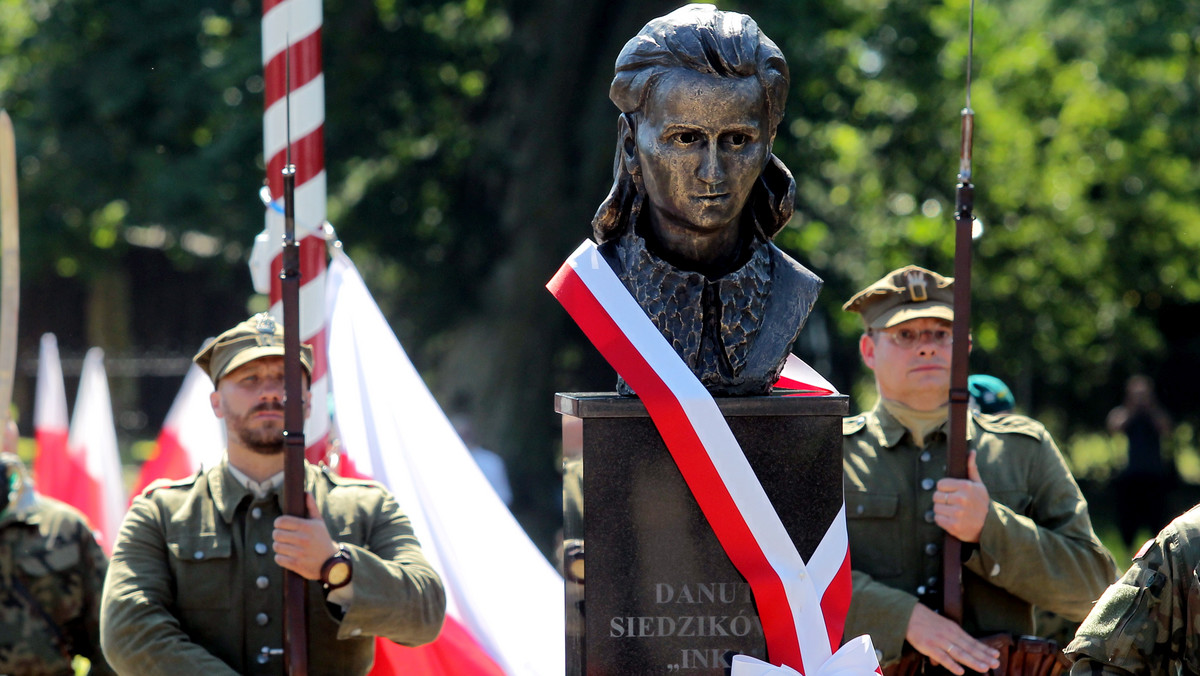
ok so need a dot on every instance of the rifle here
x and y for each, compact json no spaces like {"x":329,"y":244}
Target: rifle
{"x":964,"y":219}
{"x":295,"y":626}
{"x":1019,"y":655}
{"x":10,"y":273}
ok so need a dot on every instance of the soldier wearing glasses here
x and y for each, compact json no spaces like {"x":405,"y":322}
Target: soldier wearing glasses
{"x":1027,"y":536}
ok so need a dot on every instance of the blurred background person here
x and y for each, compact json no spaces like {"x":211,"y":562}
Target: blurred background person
{"x":1142,"y":488}
{"x":51,"y":574}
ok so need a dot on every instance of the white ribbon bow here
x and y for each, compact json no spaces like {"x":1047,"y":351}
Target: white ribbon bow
{"x":856,"y":658}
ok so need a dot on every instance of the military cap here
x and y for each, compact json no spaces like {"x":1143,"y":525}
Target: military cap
{"x":257,"y":337}
{"x":908,"y":293}
{"x":990,"y":393}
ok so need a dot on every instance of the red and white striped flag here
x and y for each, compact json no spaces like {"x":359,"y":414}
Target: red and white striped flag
{"x":92,"y":446}
{"x":505,"y":600}
{"x":291,"y":44}
{"x":192,"y":436}
{"x":54,"y":473}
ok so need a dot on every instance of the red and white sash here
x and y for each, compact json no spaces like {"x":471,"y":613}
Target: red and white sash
{"x":802,"y":605}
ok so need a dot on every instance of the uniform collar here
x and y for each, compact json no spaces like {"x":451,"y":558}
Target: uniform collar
{"x":228,"y":492}
{"x":889,"y":431}
{"x":259,"y":489}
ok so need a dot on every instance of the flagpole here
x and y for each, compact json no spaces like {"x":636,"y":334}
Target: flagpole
{"x":291,"y":56}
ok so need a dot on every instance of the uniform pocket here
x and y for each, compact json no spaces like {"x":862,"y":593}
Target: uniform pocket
{"x":203,"y":567}
{"x":871,"y":523}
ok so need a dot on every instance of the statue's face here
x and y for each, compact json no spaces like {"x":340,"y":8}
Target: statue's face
{"x":701,"y":143}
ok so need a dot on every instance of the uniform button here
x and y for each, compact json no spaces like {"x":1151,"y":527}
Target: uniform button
{"x":262,"y":582}
{"x":859,"y":510}
{"x":931,"y":549}
{"x":263,"y":657}
{"x":925,"y":456}
{"x":921,"y":590}
{"x":198,"y":555}
{"x":930,"y":516}
{"x":260,"y":548}
{"x":256,"y":512}
{"x":262,"y":619}
{"x":932,"y":582}
{"x":927,"y":484}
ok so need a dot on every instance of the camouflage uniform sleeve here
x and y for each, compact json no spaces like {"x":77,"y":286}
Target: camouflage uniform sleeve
{"x":397,"y":594}
{"x":1048,"y":555}
{"x":139,"y":633}
{"x":1140,"y":624}
{"x":882,"y":610}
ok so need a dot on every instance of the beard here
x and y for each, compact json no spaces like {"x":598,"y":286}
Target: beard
{"x":262,"y":440}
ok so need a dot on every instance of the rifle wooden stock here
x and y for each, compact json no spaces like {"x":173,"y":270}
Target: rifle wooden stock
{"x":295,"y":626}
{"x":956,"y":461}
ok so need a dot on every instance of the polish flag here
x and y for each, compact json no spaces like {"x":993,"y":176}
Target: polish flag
{"x":504,"y":599}
{"x":92,"y":447}
{"x":53,"y":471}
{"x":192,"y":436}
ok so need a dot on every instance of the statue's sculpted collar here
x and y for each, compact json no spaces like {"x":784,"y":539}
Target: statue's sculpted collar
{"x":711,"y":323}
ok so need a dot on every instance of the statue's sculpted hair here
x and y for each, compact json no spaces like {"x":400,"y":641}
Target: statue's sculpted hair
{"x":701,"y":38}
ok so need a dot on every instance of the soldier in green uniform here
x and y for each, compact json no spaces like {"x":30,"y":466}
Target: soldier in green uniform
{"x":196,"y":580}
{"x":1027,"y":536}
{"x":1149,"y":621}
{"x":51,"y":572}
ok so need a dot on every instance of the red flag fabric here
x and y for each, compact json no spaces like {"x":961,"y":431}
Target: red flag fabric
{"x":54,"y":472}
{"x":191,"y":435}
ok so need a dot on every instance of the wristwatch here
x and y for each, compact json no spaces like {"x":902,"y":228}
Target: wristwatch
{"x":337,"y":570}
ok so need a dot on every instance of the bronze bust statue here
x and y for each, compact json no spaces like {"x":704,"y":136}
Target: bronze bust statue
{"x":697,"y":196}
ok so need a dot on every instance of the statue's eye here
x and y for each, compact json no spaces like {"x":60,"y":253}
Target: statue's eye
{"x":687,"y":138}
{"x":739,"y":139}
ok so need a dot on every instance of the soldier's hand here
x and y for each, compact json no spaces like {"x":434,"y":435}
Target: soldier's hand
{"x":960,"y":506}
{"x":946,"y":644}
{"x":303,"y":545}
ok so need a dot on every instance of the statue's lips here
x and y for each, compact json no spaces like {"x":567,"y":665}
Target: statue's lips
{"x":716,"y":197}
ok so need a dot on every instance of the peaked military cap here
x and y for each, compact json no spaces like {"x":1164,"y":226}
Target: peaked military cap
{"x":257,"y":337}
{"x":908,"y":293}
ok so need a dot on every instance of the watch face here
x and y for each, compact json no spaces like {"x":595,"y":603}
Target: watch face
{"x":338,"y":574}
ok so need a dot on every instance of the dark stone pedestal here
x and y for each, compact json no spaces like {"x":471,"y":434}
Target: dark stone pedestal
{"x":660,"y":595}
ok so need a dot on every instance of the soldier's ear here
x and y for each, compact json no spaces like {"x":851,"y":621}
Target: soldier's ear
{"x":626,"y":131}
{"x":866,"y":348}
{"x":214,"y":400}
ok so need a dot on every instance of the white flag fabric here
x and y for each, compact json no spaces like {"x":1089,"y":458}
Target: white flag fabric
{"x":92,"y":446}
{"x":499,"y":587}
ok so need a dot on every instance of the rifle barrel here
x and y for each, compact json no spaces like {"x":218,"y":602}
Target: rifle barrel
{"x":295,"y":627}
{"x":956,"y":462}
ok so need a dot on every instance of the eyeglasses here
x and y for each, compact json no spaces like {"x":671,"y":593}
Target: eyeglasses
{"x":910,"y":338}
